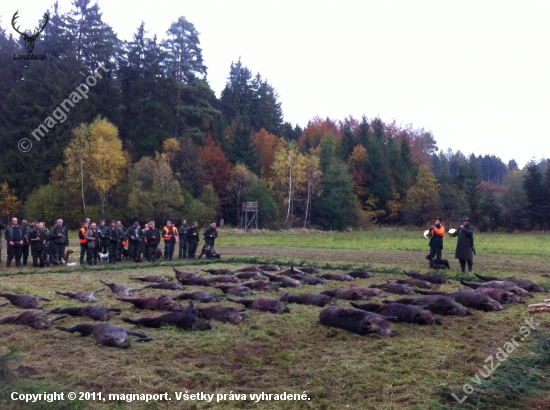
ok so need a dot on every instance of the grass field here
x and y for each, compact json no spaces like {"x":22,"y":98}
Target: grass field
{"x":291,"y":352}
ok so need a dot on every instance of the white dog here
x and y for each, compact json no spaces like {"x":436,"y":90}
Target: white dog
{"x":103,"y":256}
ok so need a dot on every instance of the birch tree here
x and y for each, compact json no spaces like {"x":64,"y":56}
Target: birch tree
{"x":94,"y":160}
{"x":289,"y":176}
{"x":313,"y":179}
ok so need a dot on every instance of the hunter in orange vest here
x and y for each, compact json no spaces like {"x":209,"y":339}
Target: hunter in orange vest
{"x":436,"y":241}
{"x":83,"y":241}
{"x":170,"y":236}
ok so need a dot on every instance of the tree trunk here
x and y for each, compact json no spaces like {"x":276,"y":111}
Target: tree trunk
{"x":307,"y":202}
{"x":82,"y":180}
{"x":103,"y":199}
{"x":289,"y":194}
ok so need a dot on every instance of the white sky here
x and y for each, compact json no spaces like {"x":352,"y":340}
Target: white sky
{"x":475,"y":73}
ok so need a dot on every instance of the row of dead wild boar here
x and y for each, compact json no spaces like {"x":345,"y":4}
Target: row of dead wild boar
{"x":360,"y":318}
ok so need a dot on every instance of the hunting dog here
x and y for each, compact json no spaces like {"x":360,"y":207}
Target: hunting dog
{"x":438,"y":263}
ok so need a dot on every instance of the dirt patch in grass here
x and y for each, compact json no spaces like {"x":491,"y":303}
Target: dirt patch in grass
{"x":408,"y":260}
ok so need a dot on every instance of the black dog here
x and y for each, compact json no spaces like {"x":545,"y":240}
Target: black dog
{"x":214,"y":254}
{"x":42,"y":258}
{"x":125,"y":254}
{"x":438,"y":263}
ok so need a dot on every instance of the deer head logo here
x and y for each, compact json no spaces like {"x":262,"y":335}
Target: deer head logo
{"x":29,"y":40}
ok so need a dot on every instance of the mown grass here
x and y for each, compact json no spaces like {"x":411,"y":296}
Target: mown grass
{"x":270,"y":353}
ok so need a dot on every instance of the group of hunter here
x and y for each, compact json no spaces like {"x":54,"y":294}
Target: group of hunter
{"x":102,"y":241}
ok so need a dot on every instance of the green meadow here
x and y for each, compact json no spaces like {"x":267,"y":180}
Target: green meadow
{"x":488,"y":243}
{"x":289,"y":353}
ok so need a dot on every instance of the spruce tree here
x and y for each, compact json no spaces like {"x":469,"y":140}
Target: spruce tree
{"x":411,"y":167}
{"x":334,"y":208}
{"x":265,"y":110}
{"x":36,"y":104}
{"x":398,"y":170}
{"x":193,"y":96}
{"x":472,"y":183}
{"x":236,"y":97}
{"x":378,"y":173}
{"x":147,"y":97}
{"x":512,"y":165}
{"x":534,"y":191}
{"x":289,"y":133}
{"x":490,"y":212}
{"x":364,"y":132}
{"x":349,"y":140}
{"x":242,"y":151}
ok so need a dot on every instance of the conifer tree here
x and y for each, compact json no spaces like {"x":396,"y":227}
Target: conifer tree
{"x":39,"y":102}
{"x":194,"y":97}
{"x":514,"y":201}
{"x":349,"y":140}
{"x":411,"y":167}
{"x":289,"y":133}
{"x":490,"y":212}
{"x":534,"y":191}
{"x":242,"y":150}
{"x":364,"y":132}
{"x":147,"y":98}
{"x":185,"y":161}
{"x":265,"y":110}
{"x":335,"y":207}
{"x":236,"y":97}
{"x":472,"y":183}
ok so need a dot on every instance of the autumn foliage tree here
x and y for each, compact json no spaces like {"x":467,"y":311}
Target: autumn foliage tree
{"x":313,"y":180}
{"x":8,"y":201}
{"x":108,"y":158}
{"x":184,"y":159}
{"x":155,"y":194}
{"x":316,"y":130}
{"x":423,"y":197}
{"x":288,"y":177}
{"x":240,"y":185}
{"x":357,"y":161}
{"x":94,"y":160}
{"x":216,"y":165}
{"x":265,"y":145}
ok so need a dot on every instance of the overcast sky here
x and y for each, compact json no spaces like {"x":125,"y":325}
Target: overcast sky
{"x":475,"y":73}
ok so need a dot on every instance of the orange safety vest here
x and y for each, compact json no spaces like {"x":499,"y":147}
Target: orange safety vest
{"x":439,"y":232}
{"x":125,"y":242}
{"x":167,"y":237}
{"x":83,"y":231}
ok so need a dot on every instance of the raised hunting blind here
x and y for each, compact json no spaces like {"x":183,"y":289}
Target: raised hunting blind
{"x":250,"y":215}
